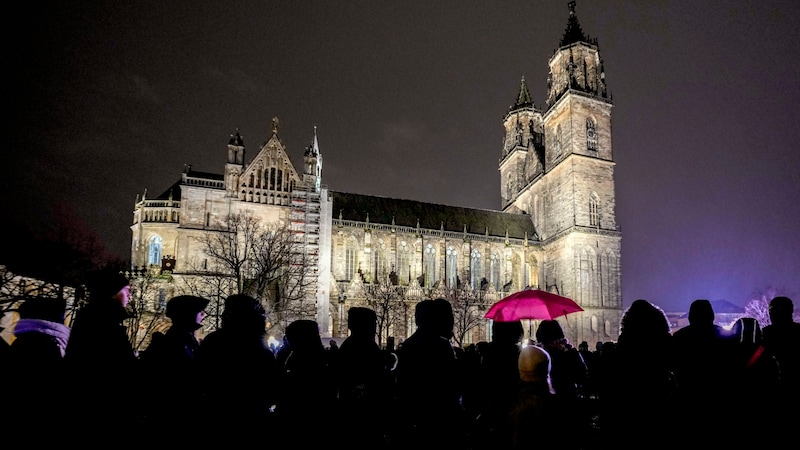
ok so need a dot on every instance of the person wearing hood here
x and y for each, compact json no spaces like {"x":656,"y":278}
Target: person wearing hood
{"x":99,"y":358}
{"x":175,"y":348}
{"x":536,"y":418}
{"x":172,"y":353}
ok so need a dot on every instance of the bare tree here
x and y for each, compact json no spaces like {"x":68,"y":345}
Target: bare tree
{"x":387,"y":300}
{"x":469,"y":306}
{"x":231,"y":246}
{"x":147,"y":306}
{"x":758,"y":306}
{"x":265,"y":261}
{"x":208,"y":280}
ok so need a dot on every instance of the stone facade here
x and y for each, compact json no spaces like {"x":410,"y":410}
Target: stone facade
{"x":556,"y":229}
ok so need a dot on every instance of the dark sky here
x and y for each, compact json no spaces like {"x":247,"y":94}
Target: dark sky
{"x":114,"y":97}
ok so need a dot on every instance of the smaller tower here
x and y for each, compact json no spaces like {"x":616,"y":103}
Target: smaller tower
{"x":522,"y":157}
{"x":312,"y":165}
{"x":233,"y":168}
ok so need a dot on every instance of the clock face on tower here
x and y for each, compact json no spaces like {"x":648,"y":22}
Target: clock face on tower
{"x":168,"y":264}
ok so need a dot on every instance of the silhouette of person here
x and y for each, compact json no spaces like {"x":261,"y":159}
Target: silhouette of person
{"x":636,"y":381}
{"x":782,"y":340}
{"x":569,"y":374}
{"x":756,"y":377}
{"x":173,"y":353}
{"x":99,"y":357}
{"x":239,"y":373}
{"x":536,"y":416}
{"x":307,"y":385}
{"x":702,"y":370}
{"x":364,"y":382}
{"x":35,"y":368}
{"x":499,"y":377}
{"x":427,"y":381}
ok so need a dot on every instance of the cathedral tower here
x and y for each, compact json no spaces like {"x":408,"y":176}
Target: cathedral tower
{"x":557,"y":165}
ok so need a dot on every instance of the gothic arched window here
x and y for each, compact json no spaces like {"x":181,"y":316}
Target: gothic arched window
{"x":350,"y":258}
{"x":430,"y":265}
{"x":475,"y":268}
{"x":594,"y":215}
{"x":154,"y":250}
{"x":494,"y":271}
{"x":403,"y":261}
{"x":591,"y":135}
{"x":451,"y":265}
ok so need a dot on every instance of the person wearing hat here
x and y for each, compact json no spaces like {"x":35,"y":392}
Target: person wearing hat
{"x":240,"y":374}
{"x":569,"y":375}
{"x":175,"y":348}
{"x":172,"y":353}
{"x":99,"y":357}
{"x":536,"y":417}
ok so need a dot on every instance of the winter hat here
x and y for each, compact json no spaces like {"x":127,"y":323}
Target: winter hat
{"x":106,"y":285}
{"x":49,"y":309}
{"x":185,"y":307}
{"x":534,"y":364}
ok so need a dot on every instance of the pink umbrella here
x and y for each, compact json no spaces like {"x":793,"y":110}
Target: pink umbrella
{"x":531,"y":304}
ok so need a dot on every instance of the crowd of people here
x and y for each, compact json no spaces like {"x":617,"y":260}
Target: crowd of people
{"x":701,"y":384}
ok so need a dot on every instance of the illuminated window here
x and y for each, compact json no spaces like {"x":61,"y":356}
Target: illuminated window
{"x":494,"y":271}
{"x":475,"y":268}
{"x":350,"y":259}
{"x":451,"y":263}
{"x":379,"y":261}
{"x":404,"y":261}
{"x":430,"y":265}
{"x":154,"y":250}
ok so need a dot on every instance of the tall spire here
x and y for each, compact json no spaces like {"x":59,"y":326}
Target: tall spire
{"x":573,"y":33}
{"x":523,"y":97}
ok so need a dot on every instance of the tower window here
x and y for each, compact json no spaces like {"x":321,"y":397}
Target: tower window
{"x":594,"y":216}
{"x":591,"y":135}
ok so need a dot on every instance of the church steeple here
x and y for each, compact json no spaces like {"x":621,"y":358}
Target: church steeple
{"x":312,"y":164}
{"x":576,"y":65}
{"x":573,"y":32}
{"x":523,"y":97}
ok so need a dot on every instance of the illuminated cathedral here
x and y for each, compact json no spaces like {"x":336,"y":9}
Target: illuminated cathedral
{"x":554,"y":230}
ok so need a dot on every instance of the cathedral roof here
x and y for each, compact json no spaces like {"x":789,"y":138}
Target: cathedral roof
{"x":430,"y":216}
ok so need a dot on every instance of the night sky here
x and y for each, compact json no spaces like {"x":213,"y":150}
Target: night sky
{"x":112,"y":98}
